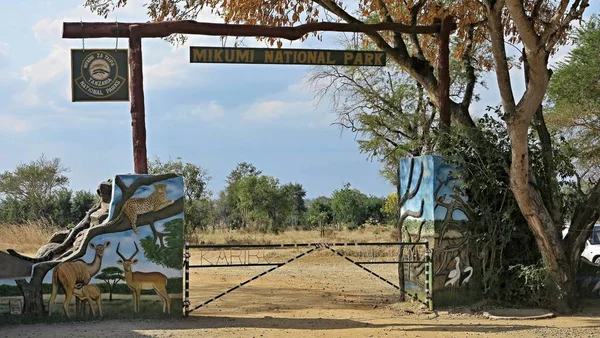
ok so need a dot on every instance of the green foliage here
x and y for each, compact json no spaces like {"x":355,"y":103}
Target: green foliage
{"x":319,"y":212}
{"x":171,"y":255}
{"x":351,"y":207}
{"x":37,"y":191}
{"x":498,"y":229}
{"x":111,"y":276}
{"x":574,"y":95}
{"x":198,"y":205}
{"x":81,"y":202}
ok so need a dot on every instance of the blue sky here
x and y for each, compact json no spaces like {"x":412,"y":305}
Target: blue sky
{"x":212,"y":115}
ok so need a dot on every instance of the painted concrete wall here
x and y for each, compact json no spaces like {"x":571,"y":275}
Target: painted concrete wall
{"x":158,"y":260}
{"x":436,"y":210}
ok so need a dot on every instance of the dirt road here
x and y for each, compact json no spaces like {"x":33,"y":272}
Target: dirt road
{"x":320,"y":295}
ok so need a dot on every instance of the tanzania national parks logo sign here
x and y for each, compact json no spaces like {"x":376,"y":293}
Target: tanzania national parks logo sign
{"x":99,"y":75}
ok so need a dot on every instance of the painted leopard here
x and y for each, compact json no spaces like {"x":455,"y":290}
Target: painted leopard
{"x":134,"y":207}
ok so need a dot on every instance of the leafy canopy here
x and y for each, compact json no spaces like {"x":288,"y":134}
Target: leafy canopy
{"x":574,"y":95}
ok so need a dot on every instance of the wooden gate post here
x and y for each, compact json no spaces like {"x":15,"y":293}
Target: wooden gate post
{"x":136,"y":95}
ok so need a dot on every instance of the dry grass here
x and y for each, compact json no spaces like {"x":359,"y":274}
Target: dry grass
{"x":25,"y":238}
{"x":365,"y":234}
{"x":28,"y":238}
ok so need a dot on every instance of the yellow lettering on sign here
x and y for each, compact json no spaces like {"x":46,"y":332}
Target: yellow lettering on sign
{"x":301,"y":57}
{"x":199,"y":55}
{"x":290,"y":57}
{"x":217,"y":55}
{"x":278,"y":57}
{"x":269,"y":56}
{"x":329,"y":60}
{"x":244,"y":56}
{"x":358,"y":59}
{"x":311,"y":57}
{"x":321,"y":60}
{"x":369,"y":59}
{"x":347,"y":57}
{"x":230,"y":56}
{"x":378,"y":58}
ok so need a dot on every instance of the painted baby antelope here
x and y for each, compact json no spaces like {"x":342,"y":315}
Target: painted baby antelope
{"x":138,"y":281}
{"x":90,"y":293}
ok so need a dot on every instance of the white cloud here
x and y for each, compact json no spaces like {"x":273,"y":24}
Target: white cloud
{"x":262,"y":111}
{"x":209,"y":111}
{"x":42,"y":72}
{"x":13,"y":124}
{"x":4,"y":48}
{"x":167,"y":72}
{"x":204,"y":111}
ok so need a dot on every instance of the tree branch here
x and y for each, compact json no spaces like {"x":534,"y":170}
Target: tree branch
{"x":500,"y":59}
{"x":469,"y":69}
{"x":524,"y":25}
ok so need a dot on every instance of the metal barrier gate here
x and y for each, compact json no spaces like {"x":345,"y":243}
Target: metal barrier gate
{"x":244,"y":261}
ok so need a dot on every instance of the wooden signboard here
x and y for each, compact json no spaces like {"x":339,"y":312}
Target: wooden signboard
{"x":99,"y":75}
{"x":286,"y":56}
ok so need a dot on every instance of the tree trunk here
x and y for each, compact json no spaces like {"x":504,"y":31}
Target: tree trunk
{"x":33,"y":303}
{"x":110,"y":295}
{"x":547,"y":234}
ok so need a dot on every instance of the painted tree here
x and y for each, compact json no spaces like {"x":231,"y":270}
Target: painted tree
{"x":170,"y":255}
{"x":110,"y":275}
{"x":540,"y":26}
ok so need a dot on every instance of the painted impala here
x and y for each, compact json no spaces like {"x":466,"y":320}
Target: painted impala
{"x":75,"y":274}
{"x":138,"y":281}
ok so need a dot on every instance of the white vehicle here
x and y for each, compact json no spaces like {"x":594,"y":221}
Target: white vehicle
{"x":592,"y":245}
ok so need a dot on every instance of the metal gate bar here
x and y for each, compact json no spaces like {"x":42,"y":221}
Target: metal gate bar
{"x":415,"y":297}
{"x":428,"y":266}
{"x":187,"y":312}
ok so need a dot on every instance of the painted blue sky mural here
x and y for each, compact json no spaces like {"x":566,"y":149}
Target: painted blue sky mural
{"x":435,"y":171}
{"x":174,"y":189}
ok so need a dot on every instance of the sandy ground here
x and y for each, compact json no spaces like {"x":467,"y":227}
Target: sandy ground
{"x":320,"y":295}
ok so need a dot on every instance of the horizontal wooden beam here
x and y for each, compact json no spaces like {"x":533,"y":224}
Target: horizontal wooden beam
{"x":78,"y":30}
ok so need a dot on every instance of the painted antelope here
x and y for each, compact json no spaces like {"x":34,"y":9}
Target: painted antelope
{"x":90,"y":293}
{"x":75,"y":274}
{"x":138,"y":281}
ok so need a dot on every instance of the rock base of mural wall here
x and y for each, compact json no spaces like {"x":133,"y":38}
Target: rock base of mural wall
{"x":435,"y":210}
{"x":123,"y":260}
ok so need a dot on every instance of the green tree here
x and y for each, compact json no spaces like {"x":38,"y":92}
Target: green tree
{"x":81,"y":202}
{"x":198,"y":205}
{"x":59,"y":208}
{"x":34,"y":185}
{"x":574,"y":97}
{"x":236,"y":216}
{"x":373,"y":209}
{"x":261,"y":200}
{"x":111,"y":275}
{"x":319,"y":213}
{"x":295,"y":194}
{"x":349,"y":206}
{"x":170,"y":255}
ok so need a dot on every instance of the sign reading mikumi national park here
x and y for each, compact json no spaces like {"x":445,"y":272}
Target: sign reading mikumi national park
{"x":287,"y":56}
{"x":99,"y":75}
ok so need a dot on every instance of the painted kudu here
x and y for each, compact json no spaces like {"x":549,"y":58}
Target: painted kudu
{"x":75,"y":274}
{"x":138,"y":281}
